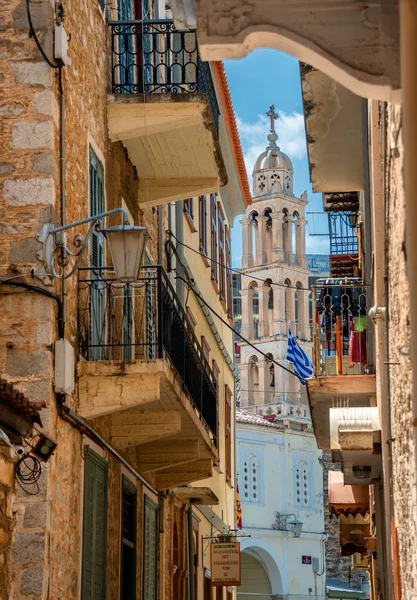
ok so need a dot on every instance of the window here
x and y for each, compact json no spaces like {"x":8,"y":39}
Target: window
{"x":150,"y":550}
{"x":93,"y":577}
{"x":302,"y":491}
{"x":97,"y":310}
{"x":228,"y":432}
{"x":191,"y":318}
{"x":128,"y":551}
{"x":189,"y":212}
{"x":229,"y":300}
{"x":202,"y":211}
{"x":222,"y":256}
{"x":251,"y":488}
{"x":206,"y":348}
{"x":216,"y":373}
{"x":213,"y":221}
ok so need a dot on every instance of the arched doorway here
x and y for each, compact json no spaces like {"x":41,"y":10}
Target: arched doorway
{"x":260,"y":571}
{"x":255,"y":579}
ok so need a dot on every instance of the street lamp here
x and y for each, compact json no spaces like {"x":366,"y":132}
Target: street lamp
{"x":297,"y":527}
{"x":126,"y":244}
{"x":282,"y":523}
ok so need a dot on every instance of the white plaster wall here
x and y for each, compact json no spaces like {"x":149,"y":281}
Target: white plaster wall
{"x":278,"y":452}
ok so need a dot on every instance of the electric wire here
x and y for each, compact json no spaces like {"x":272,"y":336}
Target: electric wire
{"x":32,"y":33}
{"x":271,"y":360}
{"x":28,"y":473}
{"x":232,"y":270}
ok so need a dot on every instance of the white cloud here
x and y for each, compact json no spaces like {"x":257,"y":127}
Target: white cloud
{"x":291,"y":137}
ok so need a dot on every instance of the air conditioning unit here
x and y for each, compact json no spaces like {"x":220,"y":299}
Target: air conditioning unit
{"x":360,"y":562}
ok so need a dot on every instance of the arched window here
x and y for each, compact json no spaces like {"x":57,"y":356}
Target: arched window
{"x":253,"y":380}
{"x":298,"y":307}
{"x":251,"y":479}
{"x":271,"y":372}
{"x":254,"y":224}
{"x":288,"y":300}
{"x":302,"y":484}
{"x":255,"y":309}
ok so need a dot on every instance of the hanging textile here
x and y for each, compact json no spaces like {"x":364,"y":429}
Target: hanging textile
{"x":339,"y":346}
{"x":357,"y":342}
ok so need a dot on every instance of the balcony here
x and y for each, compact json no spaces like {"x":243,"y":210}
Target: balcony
{"x":342,"y":338}
{"x":143,"y":377}
{"x":163,"y":107}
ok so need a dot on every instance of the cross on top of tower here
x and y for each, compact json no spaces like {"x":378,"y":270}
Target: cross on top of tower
{"x":272,"y":116}
{"x":272,"y":137}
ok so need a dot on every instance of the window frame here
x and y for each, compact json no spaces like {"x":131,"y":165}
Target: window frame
{"x":92,"y":459}
{"x":229,"y":293}
{"x":188,"y":208}
{"x":202,"y":214}
{"x":205,"y":348}
{"x":222,"y":253}
{"x":214,"y":243}
{"x":129,"y":487}
{"x":228,"y":433}
{"x":150,"y":504}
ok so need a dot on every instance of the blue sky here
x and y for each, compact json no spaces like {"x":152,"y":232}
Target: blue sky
{"x":263,"y":78}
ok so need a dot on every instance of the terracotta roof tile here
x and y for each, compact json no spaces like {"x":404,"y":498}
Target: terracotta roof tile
{"x":247,"y":418}
{"x":17,"y":399}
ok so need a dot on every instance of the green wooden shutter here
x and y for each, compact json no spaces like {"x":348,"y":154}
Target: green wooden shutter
{"x":93,"y":579}
{"x":150,"y":550}
{"x":97,"y":291}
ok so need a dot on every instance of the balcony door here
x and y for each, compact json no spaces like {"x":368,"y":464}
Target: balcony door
{"x":127,"y":52}
{"x":98,"y":283}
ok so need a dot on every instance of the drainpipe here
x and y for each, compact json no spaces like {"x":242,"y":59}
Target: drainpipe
{"x":191,"y":589}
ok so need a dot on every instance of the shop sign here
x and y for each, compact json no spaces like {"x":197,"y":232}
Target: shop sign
{"x":306,"y":560}
{"x":225,"y":563}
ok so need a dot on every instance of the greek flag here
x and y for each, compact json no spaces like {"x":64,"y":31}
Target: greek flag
{"x":303,"y":367}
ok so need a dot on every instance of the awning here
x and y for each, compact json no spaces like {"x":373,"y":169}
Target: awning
{"x":347,"y":499}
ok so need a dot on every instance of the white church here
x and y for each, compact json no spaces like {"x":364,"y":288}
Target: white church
{"x":280,"y":477}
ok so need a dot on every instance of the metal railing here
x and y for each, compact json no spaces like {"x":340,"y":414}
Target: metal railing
{"x":342,"y":332}
{"x":284,"y":405}
{"x":153,"y":57}
{"x":144,"y":320}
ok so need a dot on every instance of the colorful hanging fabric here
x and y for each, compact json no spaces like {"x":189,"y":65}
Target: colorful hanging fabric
{"x":339,"y":346}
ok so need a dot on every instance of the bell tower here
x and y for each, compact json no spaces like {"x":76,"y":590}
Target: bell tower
{"x":275,"y":295}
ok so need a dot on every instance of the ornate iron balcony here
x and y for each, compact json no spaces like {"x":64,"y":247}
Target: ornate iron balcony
{"x":152,"y":57}
{"x":144,"y":320}
{"x":342,"y":332}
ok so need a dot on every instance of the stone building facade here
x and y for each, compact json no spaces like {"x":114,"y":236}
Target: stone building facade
{"x":58,"y":160}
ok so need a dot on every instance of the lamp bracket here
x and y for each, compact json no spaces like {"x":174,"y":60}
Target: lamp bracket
{"x":56,"y":252}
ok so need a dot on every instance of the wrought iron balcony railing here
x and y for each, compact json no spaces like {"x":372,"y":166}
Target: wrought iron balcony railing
{"x":152,"y":57}
{"x":341,"y":330}
{"x":144,"y":320}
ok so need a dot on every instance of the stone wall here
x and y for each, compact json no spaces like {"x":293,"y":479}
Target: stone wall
{"x":399,"y":370}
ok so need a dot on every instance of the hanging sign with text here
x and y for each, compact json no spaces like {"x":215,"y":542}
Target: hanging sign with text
{"x":225,"y":563}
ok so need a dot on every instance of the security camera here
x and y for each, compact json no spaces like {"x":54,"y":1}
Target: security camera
{"x":18,"y":451}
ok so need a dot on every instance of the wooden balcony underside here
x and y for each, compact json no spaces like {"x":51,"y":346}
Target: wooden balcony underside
{"x":148,"y":418}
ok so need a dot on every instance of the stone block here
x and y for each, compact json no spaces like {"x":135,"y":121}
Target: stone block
{"x":24,"y":251}
{"x":6,"y":168}
{"x":29,"y":548}
{"x":42,"y":483}
{"x":45,"y":163}
{"x":37,"y":390}
{"x":45,"y":104}
{"x":41,"y":14}
{"x":32,"y":73}
{"x":11,"y":110}
{"x":32,"y":134}
{"x":35,"y":515}
{"x":20,"y":192}
{"x":31,"y":583}
{"x":20,"y":363}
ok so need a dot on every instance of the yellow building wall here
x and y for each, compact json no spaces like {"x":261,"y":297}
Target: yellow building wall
{"x":201,"y":271}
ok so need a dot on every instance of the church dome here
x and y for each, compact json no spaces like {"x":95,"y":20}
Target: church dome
{"x":273,"y":170}
{"x":273,"y":158}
